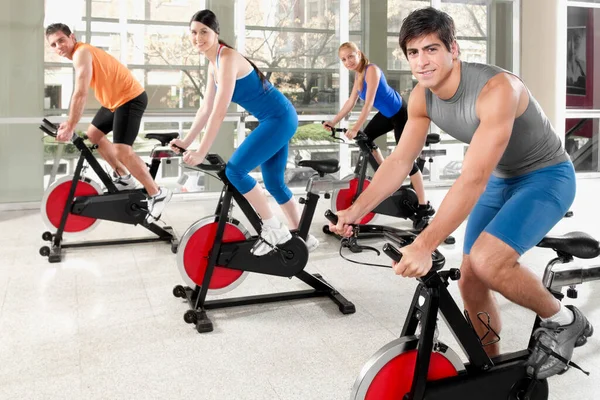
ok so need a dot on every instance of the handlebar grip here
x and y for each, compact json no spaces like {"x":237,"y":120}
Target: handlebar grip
{"x":209,"y":167}
{"x":331,"y":217}
{"x":334,"y":129}
{"x":47,"y":131}
{"x":181,"y":149}
{"x":392,"y":252}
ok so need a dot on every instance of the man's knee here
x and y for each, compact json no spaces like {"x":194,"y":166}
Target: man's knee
{"x":95,"y":135}
{"x":491,"y":259}
{"x":469,"y":282}
{"x":124,"y":151}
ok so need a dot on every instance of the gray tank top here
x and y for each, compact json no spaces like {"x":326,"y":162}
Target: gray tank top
{"x":533,"y":143}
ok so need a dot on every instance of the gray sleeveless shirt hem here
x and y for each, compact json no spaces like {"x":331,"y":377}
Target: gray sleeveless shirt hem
{"x":533,"y":142}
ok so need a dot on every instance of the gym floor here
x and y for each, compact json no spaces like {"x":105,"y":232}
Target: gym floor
{"x":103,"y":324}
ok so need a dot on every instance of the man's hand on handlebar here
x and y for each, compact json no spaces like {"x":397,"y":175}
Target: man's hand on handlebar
{"x":346,"y":218}
{"x":65,"y":132}
{"x":416,"y":261}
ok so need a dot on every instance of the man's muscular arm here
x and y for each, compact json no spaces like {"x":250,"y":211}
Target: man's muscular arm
{"x":496,"y":108}
{"x":82,"y":62}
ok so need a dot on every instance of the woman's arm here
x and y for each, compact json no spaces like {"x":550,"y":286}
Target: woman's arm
{"x":372,"y":79}
{"x":204,"y":111}
{"x":230,"y":63}
{"x":348,"y":105}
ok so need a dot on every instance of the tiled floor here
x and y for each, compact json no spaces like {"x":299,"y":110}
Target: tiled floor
{"x":103,"y":324}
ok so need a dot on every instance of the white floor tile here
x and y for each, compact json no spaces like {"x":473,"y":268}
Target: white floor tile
{"x":104,"y":324}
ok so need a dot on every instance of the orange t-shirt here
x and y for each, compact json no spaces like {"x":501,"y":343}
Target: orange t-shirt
{"x":113,"y":83}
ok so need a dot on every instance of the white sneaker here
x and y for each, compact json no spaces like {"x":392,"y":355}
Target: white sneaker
{"x":269,"y":238}
{"x":312,"y":243}
{"x":124,"y":182}
{"x":157,"y":203}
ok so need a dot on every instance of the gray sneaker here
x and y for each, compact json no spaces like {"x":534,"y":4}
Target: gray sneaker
{"x":558,"y":339}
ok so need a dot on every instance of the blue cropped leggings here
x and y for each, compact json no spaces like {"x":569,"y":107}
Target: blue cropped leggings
{"x":267,"y":146}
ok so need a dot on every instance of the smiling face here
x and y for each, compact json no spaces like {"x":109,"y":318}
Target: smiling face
{"x":202,"y":37}
{"x":62,"y":44}
{"x":430,"y":61}
{"x":350,"y":58}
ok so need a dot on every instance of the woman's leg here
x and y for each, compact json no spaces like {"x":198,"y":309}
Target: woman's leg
{"x":273,"y":174}
{"x":416,"y":177}
{"x":268,"y":141}
{"x":379,"y":125}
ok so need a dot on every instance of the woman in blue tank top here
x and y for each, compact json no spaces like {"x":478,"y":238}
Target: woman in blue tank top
{"x":232,"y":77}
{"x":372,"y":87}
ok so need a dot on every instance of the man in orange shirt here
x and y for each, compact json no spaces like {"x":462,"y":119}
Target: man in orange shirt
{"x":123,"y":102}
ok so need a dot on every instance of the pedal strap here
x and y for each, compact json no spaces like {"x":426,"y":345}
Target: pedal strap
{"x":568,"y":363}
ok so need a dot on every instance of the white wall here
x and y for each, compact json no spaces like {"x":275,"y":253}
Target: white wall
{"x":21,"y":96}
{"x":543,"y":55}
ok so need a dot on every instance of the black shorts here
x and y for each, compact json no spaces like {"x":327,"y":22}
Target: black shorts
{"x":124,"y":122}
{"x":380,"y":124}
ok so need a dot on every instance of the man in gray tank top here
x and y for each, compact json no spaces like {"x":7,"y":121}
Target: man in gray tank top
{"x":517,"y":182}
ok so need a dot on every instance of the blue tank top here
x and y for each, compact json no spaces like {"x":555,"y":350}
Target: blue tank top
{"x":387,"y":100}
{"x":262,"y":100}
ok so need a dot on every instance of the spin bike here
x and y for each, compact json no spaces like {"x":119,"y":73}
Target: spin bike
{"x":418,"y":366}
{"x":403,"y":203}
{"x":214,"y":256}
{"x":77,"y":203}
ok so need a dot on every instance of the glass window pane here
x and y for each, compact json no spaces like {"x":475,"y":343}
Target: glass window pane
{"x":399,"y":9}
{"x":355,"y":15}
{"x":174,"y":88}
{"x":106,"y":36}
{"x":273,"y":49}
{"x":583,"y":44}
{"x":581,"y":142}
{"x":164,"y":10}
{"x":105,"y":8}
{"x":471,"y":21}
{"x":59,"y":87}
{"x":161,"y":45}
{"x":310,"y":92}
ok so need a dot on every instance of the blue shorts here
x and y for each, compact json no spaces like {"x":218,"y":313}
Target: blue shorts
{"x":520,"y":211}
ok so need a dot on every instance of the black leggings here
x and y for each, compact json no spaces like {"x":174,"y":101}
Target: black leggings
{"x":380,"y":125}
{"x":124,"y":122}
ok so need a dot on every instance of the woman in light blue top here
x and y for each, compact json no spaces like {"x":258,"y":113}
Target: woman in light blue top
{"x":372,"y":87}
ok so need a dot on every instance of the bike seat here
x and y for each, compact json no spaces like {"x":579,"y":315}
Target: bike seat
{"x":163,"y":138}
{"x":328,"y":166}
{"x":432,"y":138}
{"x":577,"y":244}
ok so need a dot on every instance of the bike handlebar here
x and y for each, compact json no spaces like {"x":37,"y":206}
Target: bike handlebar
{"x":438,"y":260}
{"x":51,"y":129}
{"x":216,"y":163}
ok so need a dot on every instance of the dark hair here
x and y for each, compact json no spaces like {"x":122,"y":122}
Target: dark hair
{"x":425,"y":21}
{"x":209,"y":19}
{"x":53,"y":28}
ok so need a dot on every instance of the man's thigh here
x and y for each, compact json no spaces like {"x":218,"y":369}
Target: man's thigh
{"x":536,"y":203}
{"x":488,"y":205}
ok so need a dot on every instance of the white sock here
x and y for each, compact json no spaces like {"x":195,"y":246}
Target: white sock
{"x":158,"y":193}
{"x":564,"y":316}
{"x":272,"y":222}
